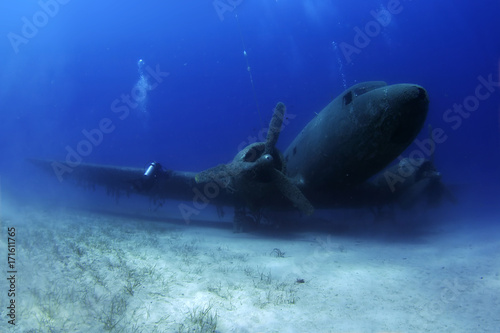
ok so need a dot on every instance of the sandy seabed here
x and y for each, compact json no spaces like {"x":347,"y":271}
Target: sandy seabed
{"x":79,"y":271}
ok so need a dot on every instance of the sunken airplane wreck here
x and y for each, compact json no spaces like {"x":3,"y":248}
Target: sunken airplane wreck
{"x":331,"y":163}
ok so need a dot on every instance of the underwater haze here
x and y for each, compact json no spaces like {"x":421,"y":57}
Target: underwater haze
{"x":188,"y":84}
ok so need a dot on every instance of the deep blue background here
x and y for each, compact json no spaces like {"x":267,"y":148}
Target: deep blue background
{"x":66,"y":77}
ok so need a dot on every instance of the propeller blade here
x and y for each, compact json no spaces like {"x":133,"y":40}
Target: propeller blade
{"x":273,"y":133}
{"x":292,"y":192}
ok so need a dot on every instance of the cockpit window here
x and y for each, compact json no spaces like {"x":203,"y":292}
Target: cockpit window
{"x":348,"y":98}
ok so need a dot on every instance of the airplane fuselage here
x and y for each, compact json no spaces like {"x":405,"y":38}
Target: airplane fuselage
{"x":355,"y":136}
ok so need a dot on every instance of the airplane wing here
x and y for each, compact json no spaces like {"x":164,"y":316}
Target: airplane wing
{"x":119,"y":180}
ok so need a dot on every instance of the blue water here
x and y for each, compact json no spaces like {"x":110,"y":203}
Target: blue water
{"x":187,"y":84}
{"x":63,"y":64}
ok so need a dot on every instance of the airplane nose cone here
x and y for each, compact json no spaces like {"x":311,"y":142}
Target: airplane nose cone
{"x":422,"y":94}
{"x":410,"y":104}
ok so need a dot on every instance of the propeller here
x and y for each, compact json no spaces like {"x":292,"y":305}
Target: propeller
{"x":258,"y":169}
{"x":425,"y":181}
